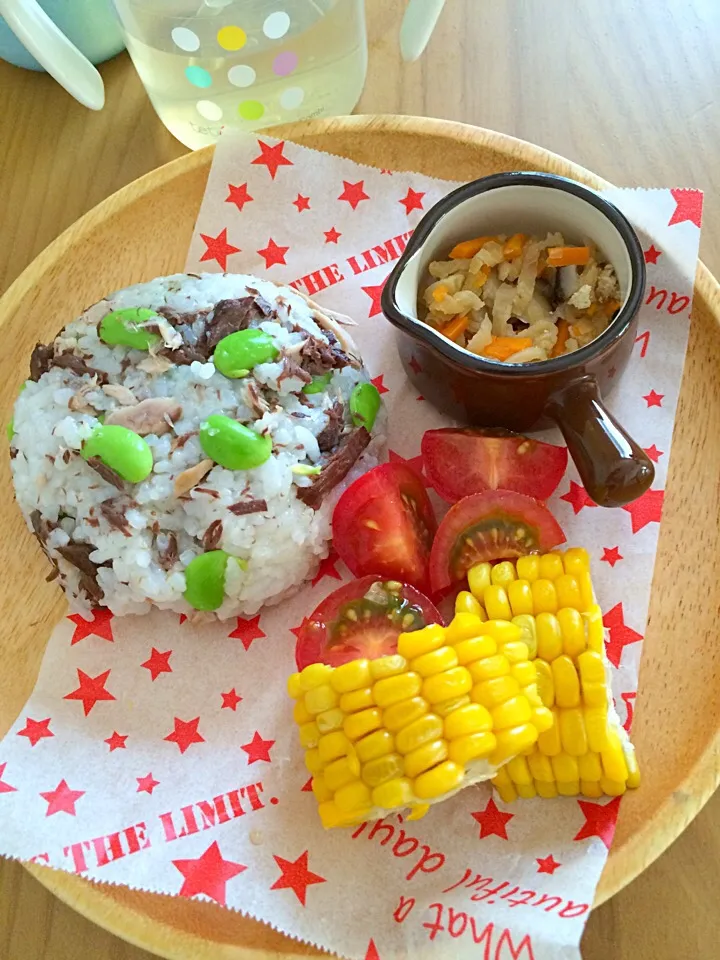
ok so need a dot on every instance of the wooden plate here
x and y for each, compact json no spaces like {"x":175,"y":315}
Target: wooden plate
{"x":142,"y":232}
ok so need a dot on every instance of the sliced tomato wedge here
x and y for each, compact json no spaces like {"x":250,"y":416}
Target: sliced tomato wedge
{"x":384,"y":525}
{"x":460,"y":462}
{"x":364,"y":618}
{"x":494,"y":525}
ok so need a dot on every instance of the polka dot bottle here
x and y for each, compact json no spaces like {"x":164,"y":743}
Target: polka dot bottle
{"x":210,"y":64}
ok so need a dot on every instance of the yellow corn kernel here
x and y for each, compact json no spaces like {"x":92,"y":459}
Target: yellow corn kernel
{"x":570,"y":788}
{"x":504,"y":786}
{"x":530,"y":690}
{"x":502,"y":631}
{"x":633,"y":777}
{"x":542,"y":719}
{"x":387,"y":666}
{"x":392,"y":690}
{"x":309,"y":735}
{"x":591,"y":789}
{"x":358,"y":725}
{"x":394,"y":793}
{"x":489,"y":668}
{"x":341,"y":772}
{"x":418,"y":642}
{"x":589,"y":766}
{"x":353,"y":797}
{"x":544,"y":597}
{"x":425,"y":757}
{"x":476,"y":648}
{"x":321,"y":698}
{"x":351,"y":676}
{"x":513,"y":741}
{"x":528,"y":568}
{"x":446,"y":707}
{"x":331,"y":816}
{"x":548,"y":791}
{"x":540,"y":767}
{"x":612,"y":757}
{"x":516,"y":652}
{"x":301,"y":714}
{"x":491,"y":693}
{"x":437,"y":661}
{"x":551,"y":566}
{"x":519,"y":771}
{"x":526,"y":790}
{"x":382,"y":770}
{"x":568,"y":591}
{"x":403,"y":713}
{"x":314,"y":675}
{"x":333,"y":745}
{"x":594,"y":694}
{"x":418,"y":811}
{"x":565,"y":768}
{"x":471,"y":747}
{"x":501,"y":574}
{"x":374,"y":745}
{"x":478,"y":579}
{"x":462,"y":627}
{"x":330,"y":720}
{"x":444,"y":686}
{"x":586,"y":591}
{"x":320,"y":789}
{"x":440,"y":780}
{"x":565,"y":680}
{"x":596,"y":727}
{"x":549,"y":741}
{"x":294,"y":686}
{"x":572,"y":732}
{"x":495,"y":601}
{"x":549,"y":637}
{"x":520,"y":598}
{"x":545,"y":684}
{"x":576,"y":560}
{"x":572,"y":629}
{"x":416,"y":734}
{"x":512,"y":713}
{"x":465,"y":602}
{"x":312,"y":761}
{"x":357,"y":700}
{"x":613,"y":788}
{"x":525,"y":673}
{"x":528,"y":632}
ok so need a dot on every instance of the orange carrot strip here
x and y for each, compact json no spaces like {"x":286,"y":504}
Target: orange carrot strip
{"x":468,"y":248}
{"x":482,"y":275}
{"x":514,"y":246}
{"x":502,"y":348}
{"x":439,"y":293}
{"x":454,"y":328}
{"x":611,"y":306}
{"x":563,"y":334}
{"x":568,"y":256}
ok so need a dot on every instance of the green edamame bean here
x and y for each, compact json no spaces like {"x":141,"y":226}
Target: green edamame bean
{"x":205,"y":580}
{"x":364,"y":405}
{"x":232,"y":444}
{"x":123,"y":450}
{"x":236,"y":354}
{"x":122,"y":327}
{"x":319,"y":384}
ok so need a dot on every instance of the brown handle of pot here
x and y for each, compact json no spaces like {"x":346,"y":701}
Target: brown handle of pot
{"x":613,"y":468}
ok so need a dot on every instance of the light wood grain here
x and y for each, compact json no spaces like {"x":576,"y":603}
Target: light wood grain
{"x":637,"y":107}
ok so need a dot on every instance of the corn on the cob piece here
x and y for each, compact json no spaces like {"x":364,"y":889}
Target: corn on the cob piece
{"x":452,"y":706}
{"x":585,"y":751}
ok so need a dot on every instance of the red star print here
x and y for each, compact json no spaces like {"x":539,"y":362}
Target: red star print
{"x":327,"y":569}
{"x":331,"y":235}
{"x":653,"y":453}
{"x":372,"y":953}
{"x":147,"y":784}
{"x":36,"y":730}
{"x":646,"y":509}
{"x":62,"y":799}
{"x":415,"y":367}
{"x":116,"y":741}
{"x":492,"y":821}
{"x":183,"y":618}
{"x":628,"y":698}
{"x":298,"y":631}
{"x":374,"y":293}
{"x":689,"y":205}
{"x":415,"y":463}
{"x":307,"y":786}
{"x":412,"y":201}
{"x":230,"y":700}
{"x":5,"y":787}
{"x":386,"y":171}
{"x":651,"y":254}
{"x":547,"y":864}
{"x":273,"y":254}
{"x":272,"y":157}
{"x":578,"y":497}
{"x":302,"y":203}
{"x":354,"y":193}
{"x":99,"y":626}
{"x":247,"y":631}
{"x":185,"y":733}
{"x":611,"y":555}
{"x":218,"y":248}
{"x":91,"y":690}
{"x":158,"y":662}
{"x":207,"y":874}
{"x":600,"y":820}
{"x":379,"y":385}
{"x":295,"y":876}
{"x":239,"y":196}
{"x":620,"y":634}
{"x":654,"y":399}
{"x":258,"y":749}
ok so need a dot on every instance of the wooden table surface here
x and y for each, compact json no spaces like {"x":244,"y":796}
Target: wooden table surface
{"x":624,"y":87}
